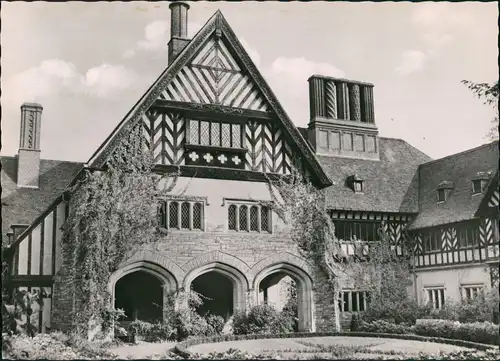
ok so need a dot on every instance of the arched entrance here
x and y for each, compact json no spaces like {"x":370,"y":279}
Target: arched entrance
{"x":271,"y":286}
{"x":141,"y":288}
{"x":223,"y":288}
{"x":217,"y":292}
{"x":140,"y":295}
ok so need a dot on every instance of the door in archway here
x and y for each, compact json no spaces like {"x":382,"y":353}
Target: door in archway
{"x":217,"y":293}
{"x":140,"y":295}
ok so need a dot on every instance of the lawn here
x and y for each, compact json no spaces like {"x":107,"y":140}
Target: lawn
{"x":332,"y":347}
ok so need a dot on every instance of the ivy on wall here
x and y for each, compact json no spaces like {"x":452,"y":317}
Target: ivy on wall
{"x":301,"y":206}
{"x":112,"y":212}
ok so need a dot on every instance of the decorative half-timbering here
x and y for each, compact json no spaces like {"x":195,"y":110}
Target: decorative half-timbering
{"x":464,"y":242}
{"x":369,"y":227}
{"x":215,"y":77}
{"x":493,"y":201}
{"x":212,"y":108}
{"x":37,"y":252}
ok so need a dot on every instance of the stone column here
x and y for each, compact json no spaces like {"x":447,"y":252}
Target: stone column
{"x":354,"y":102}
{"x":331,"y":99}
{"x":342,"y":101}
{"x":316,"y":97}
{"x":367,"y":112}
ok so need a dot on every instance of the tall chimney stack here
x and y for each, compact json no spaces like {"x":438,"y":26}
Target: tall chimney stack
{"x":28,"y":162}
{"x":178,"y":29}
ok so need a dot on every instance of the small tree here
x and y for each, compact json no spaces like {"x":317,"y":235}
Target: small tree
{"x":489,"y":94}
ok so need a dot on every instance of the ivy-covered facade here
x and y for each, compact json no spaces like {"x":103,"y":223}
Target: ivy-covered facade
{"x":212,"y":118}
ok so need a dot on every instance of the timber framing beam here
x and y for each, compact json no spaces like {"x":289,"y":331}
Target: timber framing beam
{"x":217,"y":173}
{"x":208,"y":111}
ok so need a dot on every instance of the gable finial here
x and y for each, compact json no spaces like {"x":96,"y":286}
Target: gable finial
{"x":218,"y":24}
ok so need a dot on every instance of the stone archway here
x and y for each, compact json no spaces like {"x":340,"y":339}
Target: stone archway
{"x":272,"y":270}
{"x":138,"y":286}
{"x":222,"y":279}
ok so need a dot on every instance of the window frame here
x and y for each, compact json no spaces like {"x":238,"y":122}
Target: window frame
{"x":475,"y":182}
{"x":363,"y":227}
{"x":430,"y":294}
{"x":466,"y":290}
{"x":237,"y":205}
{"x":441,"y":192}
{"x":220,"y":143}
{"x":354,"y":297}
{"x":178,"y":225}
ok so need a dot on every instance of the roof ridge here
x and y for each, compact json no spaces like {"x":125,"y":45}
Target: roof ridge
{"x":44,"y":159}
{"x":461,"y":153}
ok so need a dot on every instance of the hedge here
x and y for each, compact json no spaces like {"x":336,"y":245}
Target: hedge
{"x":181,"y":348}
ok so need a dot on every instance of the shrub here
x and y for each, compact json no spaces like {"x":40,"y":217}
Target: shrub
{"x":215,"y":324}
{"x":158,"y":331}
{"x":54,"y":346}
{"x":407,"y":311}
{"x":482,"y":308}
{"x":262,"y":319}
{"x":381,"y":326}
{"x":482,"y":332}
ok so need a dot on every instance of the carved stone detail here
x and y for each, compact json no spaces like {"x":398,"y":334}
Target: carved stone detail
{"x":354,"y":102}
{"x":331,"y":99}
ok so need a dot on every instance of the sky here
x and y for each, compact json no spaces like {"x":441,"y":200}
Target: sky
{"x":88,"y":63}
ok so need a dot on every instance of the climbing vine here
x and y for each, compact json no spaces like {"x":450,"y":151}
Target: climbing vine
{"x":299,"y":204}
{"x":112,"y":212}
{"x":374,"y":266}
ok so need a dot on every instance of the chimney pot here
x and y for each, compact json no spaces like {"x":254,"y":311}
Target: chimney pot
{"x":178,"y":29}
{"x":28,"y":162}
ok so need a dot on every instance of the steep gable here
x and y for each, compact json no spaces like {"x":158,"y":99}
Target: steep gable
{"x":213,"y":73}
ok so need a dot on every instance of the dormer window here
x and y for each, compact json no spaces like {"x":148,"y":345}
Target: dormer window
{"x":477,"y":186}
{"x":358,"y":186}
{"x":479,"y":182}
{"x":441,"y":195}
{"x":356,"y":183}
{"x":443,"y":191}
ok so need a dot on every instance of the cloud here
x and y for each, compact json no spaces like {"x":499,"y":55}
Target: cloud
{"x":55,"y":76}
{"x":154,"y":36}
{"x":288,"y":79}
{"x":301,"y":68}
{"x":107,"y":80}
{"x":437,"y":24}
{"x":157,"y":36}
{"x":412,"y":61}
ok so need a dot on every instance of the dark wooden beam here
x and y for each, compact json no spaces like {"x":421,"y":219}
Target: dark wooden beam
{"x":208,"y":111}
{"x":216,"y":173}
{"x":32,"y":281}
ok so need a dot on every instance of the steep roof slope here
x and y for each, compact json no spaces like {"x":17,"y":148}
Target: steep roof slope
{"x":217,"y":25}
{"x":390,"y":184}
{"x":24,"y":205}
{"x":460,"y":169}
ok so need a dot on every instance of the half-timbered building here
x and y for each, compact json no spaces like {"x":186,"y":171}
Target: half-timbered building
{"x":212,"y":115}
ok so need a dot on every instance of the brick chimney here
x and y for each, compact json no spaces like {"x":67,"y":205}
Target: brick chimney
{"x":28,"y":162}
{"x":342,"y":119}
{"x":178,"y":29}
